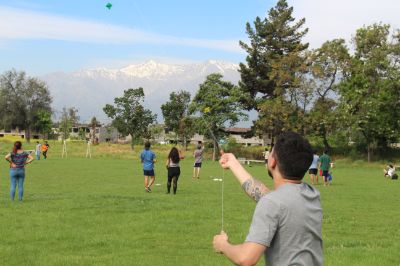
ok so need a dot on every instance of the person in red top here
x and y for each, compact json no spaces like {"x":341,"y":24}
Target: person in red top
{"x":18,"y":158}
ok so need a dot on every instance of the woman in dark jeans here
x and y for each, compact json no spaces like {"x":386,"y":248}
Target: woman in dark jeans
{"x":18,"y":158}
{"x":174,"y":169}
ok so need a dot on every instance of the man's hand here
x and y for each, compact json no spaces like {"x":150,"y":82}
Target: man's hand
{"x":219,"y":241}
{"x":227,"y":160}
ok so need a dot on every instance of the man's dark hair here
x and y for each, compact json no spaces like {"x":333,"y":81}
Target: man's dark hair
{"x":325,"y":151}
{"x":147,"y":145}
{"x":294,"y":155}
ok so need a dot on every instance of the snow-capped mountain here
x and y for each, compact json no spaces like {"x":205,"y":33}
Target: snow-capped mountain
{"x":90,"y":90}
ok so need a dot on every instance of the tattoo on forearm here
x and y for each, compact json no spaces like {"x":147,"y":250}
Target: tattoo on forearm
{"x":255,"y":189}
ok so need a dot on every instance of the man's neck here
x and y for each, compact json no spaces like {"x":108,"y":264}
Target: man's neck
{"x":279,"y":181}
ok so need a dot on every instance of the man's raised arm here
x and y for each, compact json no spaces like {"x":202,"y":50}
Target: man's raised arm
{"x":254,"y":188}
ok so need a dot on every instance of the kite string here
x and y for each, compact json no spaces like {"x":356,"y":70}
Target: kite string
{"x":223,"y":175}
{"x":222,"y":200}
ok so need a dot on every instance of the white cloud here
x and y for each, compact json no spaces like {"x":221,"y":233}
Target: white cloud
{"x":23,"y":24}
{"x":329,"y":19}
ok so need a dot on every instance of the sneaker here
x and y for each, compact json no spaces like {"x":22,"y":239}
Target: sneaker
{"x":149,"y":189}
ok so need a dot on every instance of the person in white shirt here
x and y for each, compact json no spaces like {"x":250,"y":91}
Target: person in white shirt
{"x":38,"y":150}
{"x":313,"y":170}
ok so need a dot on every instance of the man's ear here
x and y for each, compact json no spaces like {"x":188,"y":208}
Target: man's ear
{"x":272,"y":161}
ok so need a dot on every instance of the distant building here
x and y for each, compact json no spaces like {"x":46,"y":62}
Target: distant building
{"x":243,"y":136}
{"x":20,"y":133}
{"x":108,"y":134}
{"x":196,"y":138}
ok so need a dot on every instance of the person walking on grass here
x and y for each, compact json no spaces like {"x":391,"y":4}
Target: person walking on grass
{"x":173,"y":168}
{"x":38,"y":150}
{"x":313,"y":170}
{"x":148,"y":158}
{"x":287,"y":222}
{"x":266,"y":155}
{"x":45,"y":149}
{"x":18,"y":158}
{"x":324,"y":165}
{"x":198,"y":158}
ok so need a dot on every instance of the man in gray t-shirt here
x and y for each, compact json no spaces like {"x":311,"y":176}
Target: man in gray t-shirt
{"x":287,"y":222}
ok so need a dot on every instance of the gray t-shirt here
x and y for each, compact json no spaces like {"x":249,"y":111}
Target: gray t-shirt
{"x":288,"y":222}
{"x":198,"y":155}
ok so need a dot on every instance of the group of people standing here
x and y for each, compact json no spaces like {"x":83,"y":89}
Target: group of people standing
{"x":41,"y":148}
{"x":148,"y":159}
{"x":322,"y":163}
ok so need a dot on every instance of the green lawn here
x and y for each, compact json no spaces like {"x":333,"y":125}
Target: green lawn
{"x":79,"y":211}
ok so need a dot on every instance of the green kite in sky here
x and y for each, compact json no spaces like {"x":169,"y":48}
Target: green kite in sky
{"x":109,"y":5}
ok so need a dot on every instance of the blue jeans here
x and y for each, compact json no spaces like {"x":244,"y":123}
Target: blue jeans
{"x":17,"y":176}
{"x":38,"y":156}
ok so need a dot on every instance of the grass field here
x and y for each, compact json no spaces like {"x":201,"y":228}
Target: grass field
{"x":79,"y":211}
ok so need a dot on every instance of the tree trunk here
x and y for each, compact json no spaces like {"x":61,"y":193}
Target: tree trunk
{"x":214,"y":150}
{"x":327,"y":147}
{"x":28,"y":134}
{"x":326,"y":144}
{"x":185,"y":143}
{"x":369,"y":153}
{"x":132,"y":143}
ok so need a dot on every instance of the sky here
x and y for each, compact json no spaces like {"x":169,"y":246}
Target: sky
{"x":41,"y":36}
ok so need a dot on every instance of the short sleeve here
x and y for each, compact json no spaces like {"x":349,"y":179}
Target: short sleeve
{"x":265,"y":222}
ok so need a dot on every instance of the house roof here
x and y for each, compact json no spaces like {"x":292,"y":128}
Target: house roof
{"x":240,"y":130}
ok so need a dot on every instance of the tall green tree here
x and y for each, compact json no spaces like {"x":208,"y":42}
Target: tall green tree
{"x":129,"y":116}
{"x":73,"y":116}
{"x":217,"y":102}
{"x":275,"y":63}
{"x":43,"y":123}
{"x":68,"y":119}
{"x":329,"y":65}
{"x":22,"y":98}
{"x":370,"y":93}
{"x":277,"y":115}
{"x":94,"y":124}
{"x":156,"y":131}
{"x":176,"y":115}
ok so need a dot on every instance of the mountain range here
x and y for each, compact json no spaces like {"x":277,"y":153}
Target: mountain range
{"x":89,"y":90}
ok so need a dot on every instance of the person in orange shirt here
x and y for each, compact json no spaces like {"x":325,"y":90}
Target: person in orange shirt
{"x":45,"y":148}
